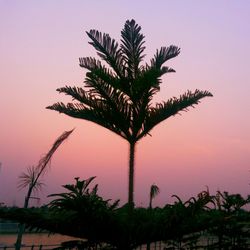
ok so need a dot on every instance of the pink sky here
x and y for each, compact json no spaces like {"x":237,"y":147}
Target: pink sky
{"x":40,"y":43}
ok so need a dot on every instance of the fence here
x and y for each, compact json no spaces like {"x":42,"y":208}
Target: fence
{"x":160,"y":245}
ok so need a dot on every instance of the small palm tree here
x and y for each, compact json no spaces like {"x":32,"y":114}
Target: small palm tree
{"x":154,"y":191}
{"x":80,"y":197}
{"x":31,"y":179}
{"x":119,"y":93}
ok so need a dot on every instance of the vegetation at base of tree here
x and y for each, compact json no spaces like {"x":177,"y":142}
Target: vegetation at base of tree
{"x":82,"y":213}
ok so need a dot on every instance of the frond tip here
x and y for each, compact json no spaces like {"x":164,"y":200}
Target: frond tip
{"x":132,"y":47}
{"x":164,"y":54}
{"x":173,"y":106}
{"x":31,"y":178}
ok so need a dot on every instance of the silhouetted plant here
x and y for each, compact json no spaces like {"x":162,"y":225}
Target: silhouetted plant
{"x":119,"y":96}
{"x":187,"y":219}
{"x":229,"y":222}
{"x":154,"y":191}
{"x":91,"y":214}
{"x":81,"y":198}
{"x":232,"y":202}
{"x":82,"y":213}
{"x":31,"y":179}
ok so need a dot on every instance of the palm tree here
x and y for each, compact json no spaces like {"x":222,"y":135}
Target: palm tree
{"x":119,"y":93}
{"x":154,"y":191}
{"x":31,"y":179}
{"x":80,"y":197}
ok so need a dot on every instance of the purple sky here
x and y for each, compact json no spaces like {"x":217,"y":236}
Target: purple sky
{"x":40,"y":43}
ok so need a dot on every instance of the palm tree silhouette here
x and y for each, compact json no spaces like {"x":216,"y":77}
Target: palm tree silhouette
{"x":154,"y":191}
{"x":119,"y":93}
{"x":31,"y":179}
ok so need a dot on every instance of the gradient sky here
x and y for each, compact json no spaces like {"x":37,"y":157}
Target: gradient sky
{"x":40,"y":43}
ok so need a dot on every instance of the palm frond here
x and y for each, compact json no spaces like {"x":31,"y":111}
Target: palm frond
{"x":31,"y":178}
{"x":101,"y":84}
{"x":45,"y":160}
{"x":91,"y":64}
{"x":70,"y":187}
{"x":109,"y":101}
{"x":101,"y":72}
{"x":79,"y":94}
{"x":164,"y":54}
{"x":147,"y":80}
{"x":107,"y":49}
{"x":115,"y":98}
{"x":27,"y":178}
{"x":101,"y":115}
{"x":173,"y":106}
{"x":132,"y":47}
{"x":114,"y":205}
{"x":94,"y":190}
{"x":154,"y":190}
{"x":87,"y":182}
{"x":115,"y":101}
{"x":178,"y":198}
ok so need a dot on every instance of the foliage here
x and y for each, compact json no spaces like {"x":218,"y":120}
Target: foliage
{"x":82,"y":213}
{"x":31,"y":179}
{"x":82,"y":205}
{"x":154,"y":191}
{"x":119,"y":89}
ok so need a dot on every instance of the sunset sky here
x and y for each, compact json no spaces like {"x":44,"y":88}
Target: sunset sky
{"x":40,"y":43}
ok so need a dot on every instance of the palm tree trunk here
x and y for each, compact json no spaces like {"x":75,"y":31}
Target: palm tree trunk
{"x":150,"y":202}
{"x":21,"y":226}
{"x":131,"y":173}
